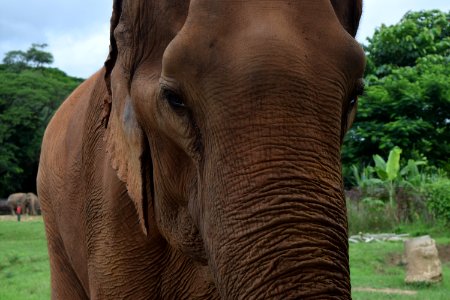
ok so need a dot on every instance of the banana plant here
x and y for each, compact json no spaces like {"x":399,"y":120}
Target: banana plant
{"x":388,"y":171}
{"x":364,"y":178}
{"x":390,"y":174}
{"x":411,"y":175}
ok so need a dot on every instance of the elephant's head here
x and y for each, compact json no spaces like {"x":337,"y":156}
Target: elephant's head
{"x":225,"y":122}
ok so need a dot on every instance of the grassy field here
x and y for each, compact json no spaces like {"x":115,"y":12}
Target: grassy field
{"x":24,"y":271}
{"x":378,"y":266}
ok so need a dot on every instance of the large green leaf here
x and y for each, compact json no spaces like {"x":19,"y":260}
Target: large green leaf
{"x":411,"y":169}
{"x":356,"y":175}
{"x":393,"y":163}
{"x":380,"y":167}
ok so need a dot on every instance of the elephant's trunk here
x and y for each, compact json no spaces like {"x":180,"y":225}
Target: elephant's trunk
{"x":279,"y":228}
{"x":283,"y":243}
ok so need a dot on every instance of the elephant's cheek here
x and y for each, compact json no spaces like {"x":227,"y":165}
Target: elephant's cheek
{"x":172,"y":199}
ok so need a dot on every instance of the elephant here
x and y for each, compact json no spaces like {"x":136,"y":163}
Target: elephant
{"x":33,"y":206}
{"x":202,"y":161}
{"x":28,"y":201}
{"x":15,"y":200}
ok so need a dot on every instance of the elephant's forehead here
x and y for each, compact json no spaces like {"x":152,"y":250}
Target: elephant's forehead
{"x":285,"y":19}
{"x":216,"y":36}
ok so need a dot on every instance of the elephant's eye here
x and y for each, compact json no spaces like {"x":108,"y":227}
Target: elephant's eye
{"x":173,"y":98}
{"x":359,"y":91}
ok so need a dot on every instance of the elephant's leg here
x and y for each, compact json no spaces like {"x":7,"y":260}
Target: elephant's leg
{"x":13,"y":211}
{"x":64,"y":281}
{"x":33,"y":208}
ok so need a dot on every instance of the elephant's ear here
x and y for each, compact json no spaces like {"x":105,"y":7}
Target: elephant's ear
{"x":348,"y":13}
{"x":140,"y":31}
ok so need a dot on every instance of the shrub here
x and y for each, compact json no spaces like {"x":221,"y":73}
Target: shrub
{"x":369,"y":215}
{"x":388,"y":193}
{"x":438,"y":198}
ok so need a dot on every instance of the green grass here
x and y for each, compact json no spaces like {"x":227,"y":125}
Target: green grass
{"x":372,"y":266}
{"x":24,"y":269}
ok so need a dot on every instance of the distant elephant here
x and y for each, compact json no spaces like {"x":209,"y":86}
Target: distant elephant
{"x":32,"y":204}
{"x":17,"y":199}
{"x":203,"y":160}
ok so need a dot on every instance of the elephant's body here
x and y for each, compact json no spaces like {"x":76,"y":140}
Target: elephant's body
{"x":29,"y":203}
{"x":15,"y":200}
{"x":34,"y":207}
{"x":130,"y":264}
{"x":203,"y":161}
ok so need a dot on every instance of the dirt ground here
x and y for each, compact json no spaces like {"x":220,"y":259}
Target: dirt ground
{"x":444,"y":253}
{"x":22,"y":219}
{"x":385,"y":291}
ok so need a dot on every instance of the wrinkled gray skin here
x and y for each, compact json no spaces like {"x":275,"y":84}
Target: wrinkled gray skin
{"x":28,"y":201}
{"x":15,"y":200}
{"x":33,"y":206}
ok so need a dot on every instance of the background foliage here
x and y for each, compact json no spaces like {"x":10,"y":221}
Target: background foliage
{"x":29,"y":95}
{"x":407,"y":98}
{"x":406,"y":105}
{"x":33,"y":57}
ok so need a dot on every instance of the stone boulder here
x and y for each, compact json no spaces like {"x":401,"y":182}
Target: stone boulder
{"x":422,"y":261}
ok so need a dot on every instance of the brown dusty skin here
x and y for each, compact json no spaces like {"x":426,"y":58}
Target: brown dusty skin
{"x":203,"y":160}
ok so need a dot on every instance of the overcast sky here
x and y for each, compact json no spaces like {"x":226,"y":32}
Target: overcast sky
{"x":77,"y":31}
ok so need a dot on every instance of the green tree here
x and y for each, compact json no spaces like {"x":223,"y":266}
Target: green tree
{"x":407,"y":98}
{"x":418,"y":34}
{"x":33,"y":57}
{"x":37,"y":57}
{"x":16,"y":59}
{"x":28,"y":99}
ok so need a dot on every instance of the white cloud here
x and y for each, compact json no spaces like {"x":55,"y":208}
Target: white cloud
{"x":79,"y":54}
{"x":77,"y":32}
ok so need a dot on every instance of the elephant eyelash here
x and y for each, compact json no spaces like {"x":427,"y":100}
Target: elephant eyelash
{"x":176,"y":102}
{"x":358,"y":91}
{"x":174,"y":99}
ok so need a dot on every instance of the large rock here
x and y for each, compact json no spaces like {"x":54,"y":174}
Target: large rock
{"x":422,"y":261}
